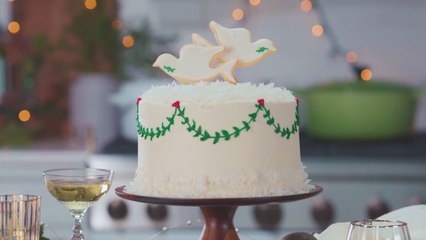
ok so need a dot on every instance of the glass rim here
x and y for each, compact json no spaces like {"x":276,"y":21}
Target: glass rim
{"x":8,"y":198}
{"x":387,"y":223}
{"x":53,"y":172}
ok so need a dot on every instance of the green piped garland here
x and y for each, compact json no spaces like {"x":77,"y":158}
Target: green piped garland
{"x":204,"y":135}
{"x":262,"y":49}
{"x":169,"y":69}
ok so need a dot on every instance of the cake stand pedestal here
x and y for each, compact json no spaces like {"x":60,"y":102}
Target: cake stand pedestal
{"x":218,"y":212}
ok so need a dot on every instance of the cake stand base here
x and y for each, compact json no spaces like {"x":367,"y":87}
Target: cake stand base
{"x":218,"y":213}
{"x":218,"y":223}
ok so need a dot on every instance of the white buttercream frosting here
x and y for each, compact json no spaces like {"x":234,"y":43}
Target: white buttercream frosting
{"x":217,"y":92}
{"x":257,"y":162}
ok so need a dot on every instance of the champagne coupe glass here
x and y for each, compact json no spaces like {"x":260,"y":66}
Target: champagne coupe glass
{"x":374,"y":229}
{"x":78,"y":189}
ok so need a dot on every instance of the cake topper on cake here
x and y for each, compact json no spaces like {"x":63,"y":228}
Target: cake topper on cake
{"x":203,"y":61}
{"x":238,"y":45}
{"x":195,"y":64}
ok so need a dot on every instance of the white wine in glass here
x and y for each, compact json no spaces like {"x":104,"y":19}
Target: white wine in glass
{"x":78,"y":189}
{"x":374,"y":229}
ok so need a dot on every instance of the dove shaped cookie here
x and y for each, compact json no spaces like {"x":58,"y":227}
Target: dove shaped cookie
{"x":195,"y":64}
{"x":238,"y":45}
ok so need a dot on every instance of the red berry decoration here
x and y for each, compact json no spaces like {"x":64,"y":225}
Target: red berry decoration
{"x":261,"y":102}
{"x":297,"y":99}
{"x":138,"y":100}
{"x":176,"y":104}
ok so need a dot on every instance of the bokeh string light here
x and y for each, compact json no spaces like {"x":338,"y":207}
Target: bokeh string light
{"x":238,"y":14}
{"x":306,"y":5}
{"x":361,"y":71}
{"x":366,"y":74}
{"x":24,"y":115}
{"x":255,"y":2}
{"x":128,"y":41}
{"x":351,"y":57}
{"x":117,"y":24}
{"x":90,"y":4}
{"x":317,"y":30}
{"x":13,"y":27}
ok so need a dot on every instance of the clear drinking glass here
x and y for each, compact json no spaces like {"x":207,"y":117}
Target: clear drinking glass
{"x":20,"y":217}
{"x":78,"y":189}
{"x":374,"y":229}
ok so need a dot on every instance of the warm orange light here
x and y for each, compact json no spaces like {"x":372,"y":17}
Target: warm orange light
{"x":306,"y":5}
{"x":90,"y":4}
{"x":128,"y":41}
{"x":366,"y":74}
{"x":255,"y":2}
{"x":317,"y":30}
{"x":351,"y":57}
{"x":238,"y":14}
{"x":13,"y":27}
{"x":24,"y":115}
{"x":117,"y":24}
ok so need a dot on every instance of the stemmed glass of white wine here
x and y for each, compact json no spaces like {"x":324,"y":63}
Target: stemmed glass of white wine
{"x":374,"y":229}
{"x":78,"y":189}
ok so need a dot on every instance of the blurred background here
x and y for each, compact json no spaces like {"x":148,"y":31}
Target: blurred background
{"x":71,"y":71}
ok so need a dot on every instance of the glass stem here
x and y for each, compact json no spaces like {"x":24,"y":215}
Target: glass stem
{"x":77,"y":231}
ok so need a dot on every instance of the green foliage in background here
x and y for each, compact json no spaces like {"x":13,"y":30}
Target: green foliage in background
{"x":14,"y":135}
{"x":30,"y":66}
{"x":97,"y":44}
{"x":93,"y":39}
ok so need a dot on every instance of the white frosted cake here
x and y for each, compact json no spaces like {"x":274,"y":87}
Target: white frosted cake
{"x":203,"y":139}
{"x":218,"y":140}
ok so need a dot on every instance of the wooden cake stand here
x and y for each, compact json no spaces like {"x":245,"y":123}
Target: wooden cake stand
{"x":218,"y":212}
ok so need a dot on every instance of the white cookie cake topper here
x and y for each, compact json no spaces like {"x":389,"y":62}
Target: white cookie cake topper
{"x":198,"y":62}
{"x":238,"y":44}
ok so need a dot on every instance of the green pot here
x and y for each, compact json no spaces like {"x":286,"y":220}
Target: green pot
{"x":354,"y":110}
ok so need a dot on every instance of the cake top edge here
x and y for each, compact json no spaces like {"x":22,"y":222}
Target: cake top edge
{"x":217,"y":92}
